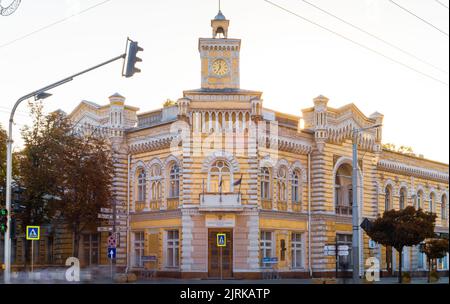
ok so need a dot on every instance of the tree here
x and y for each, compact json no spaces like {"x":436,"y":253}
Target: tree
{"x":435,"y":248}
{"x":86,"y":182}
{"x":39,"y":164}
{"x":401,"y":228}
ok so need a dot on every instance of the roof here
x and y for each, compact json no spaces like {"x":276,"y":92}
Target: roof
{"x":220,"y":16}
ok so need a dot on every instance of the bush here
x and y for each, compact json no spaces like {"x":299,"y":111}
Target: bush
{"x":406,"y":276}
{"x":434,"y":276}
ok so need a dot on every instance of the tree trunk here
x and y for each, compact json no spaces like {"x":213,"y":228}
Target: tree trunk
{"x":429,"y":269}
{"x":400,"y":258}
{"x":76,"y":243}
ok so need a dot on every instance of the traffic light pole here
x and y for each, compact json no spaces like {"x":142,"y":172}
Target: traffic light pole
{"x":38,"y":94}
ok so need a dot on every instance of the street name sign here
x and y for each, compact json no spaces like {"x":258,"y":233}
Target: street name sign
{"x":106,"y":210}
{"x":104,"y":229}
{"x":105,"y":216}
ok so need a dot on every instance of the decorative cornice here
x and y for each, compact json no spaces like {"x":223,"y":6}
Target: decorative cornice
{"x":397,"y":167}
{"x":153,"y":143}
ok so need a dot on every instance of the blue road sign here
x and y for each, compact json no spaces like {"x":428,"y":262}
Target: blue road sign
{"x":221,"y":240}
{"x":112,"y":253}
{"x":269,"y":260}
{"x":33,"y":233}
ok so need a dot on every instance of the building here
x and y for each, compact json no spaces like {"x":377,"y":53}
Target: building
{"x":277,"y":185}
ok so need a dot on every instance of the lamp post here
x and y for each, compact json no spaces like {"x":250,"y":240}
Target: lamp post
{"x":355,"y":207}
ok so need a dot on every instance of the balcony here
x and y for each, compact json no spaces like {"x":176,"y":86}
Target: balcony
{"x":266,"y":204}
{"x":344,"y":210}
{"x":155,"y":205}
{"x":297,"y":207}
{"x":282,"y":206}
{"x":139,"y":206}
{"x":173,"y":203}
{"x":220,"y":202}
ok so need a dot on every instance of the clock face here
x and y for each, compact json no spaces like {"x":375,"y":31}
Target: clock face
{"x":220,"y":67}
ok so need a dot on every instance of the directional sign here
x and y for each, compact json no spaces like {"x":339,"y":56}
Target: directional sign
{"x":112,"y":253}
{"x":105,"y":216}
{"x":330,"y":248}
{"x":221,"y":240}
{"x":33,"y":233}
{"x":343,"y":253}
{"x":106,"y":210}
{"x":104,"y":229}
{"x":268,"y":260}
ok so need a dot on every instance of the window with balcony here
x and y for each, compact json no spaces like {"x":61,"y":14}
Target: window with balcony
{"x":431,"y":202}
{"x":343,"y":190}
{"x":174,"y":181}
{"x":155,"y":187}
{"x":282,"y":184}
{"x":220,"y":178}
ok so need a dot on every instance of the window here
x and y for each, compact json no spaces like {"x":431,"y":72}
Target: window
{"x":297,"y":250}
{"x":282,"y":184}
{"x":443,"y":263}
{"x":296,"y":190}
{"x":420,"y":258}
{"x":174,"y":178}
{"x":155,"y":183}
{"x":173,"y":246}
{"x":388,"y":198}
{"x":266,"y":250}
{"x":419,"y":198}
{"x":402,"y":198}
{"x":142,"y":186}
{"x":345,"y":262}
{"x":91,"y":249}
{"x":343,"y":190}
{"x":220,"y":177}
{"x":431,"y":203}
{"x":265,"y":184}
{"x":444,"y":207}
{"x":139,"y":245}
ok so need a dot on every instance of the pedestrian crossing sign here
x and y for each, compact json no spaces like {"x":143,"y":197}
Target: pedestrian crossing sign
{"x":221,"y":240}
{"x":33,"y":233}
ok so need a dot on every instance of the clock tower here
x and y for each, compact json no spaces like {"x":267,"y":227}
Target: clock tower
{"x":220,"y":57}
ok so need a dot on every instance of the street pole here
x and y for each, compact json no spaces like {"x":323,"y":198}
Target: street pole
{"x":355,"y":210}
{"x":38,"y":94}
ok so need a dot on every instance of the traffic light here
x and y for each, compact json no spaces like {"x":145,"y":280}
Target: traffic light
{"x":131,"y":59}
{"x":3,"y":221}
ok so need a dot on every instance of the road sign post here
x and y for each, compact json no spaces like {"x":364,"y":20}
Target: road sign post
{"x":33,"y":234}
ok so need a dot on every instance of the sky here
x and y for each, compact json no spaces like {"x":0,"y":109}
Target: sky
{"x":289,"y":59}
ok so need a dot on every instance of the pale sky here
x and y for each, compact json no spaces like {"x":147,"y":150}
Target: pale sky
{"x":288,"y":59}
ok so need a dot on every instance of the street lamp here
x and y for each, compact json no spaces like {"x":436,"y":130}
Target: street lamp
{"x":355,"y":208}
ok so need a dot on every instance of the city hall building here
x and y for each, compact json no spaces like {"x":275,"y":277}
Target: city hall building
{"x":278,"y":186}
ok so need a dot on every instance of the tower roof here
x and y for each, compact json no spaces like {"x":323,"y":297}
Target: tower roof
{"x":220,"y":16}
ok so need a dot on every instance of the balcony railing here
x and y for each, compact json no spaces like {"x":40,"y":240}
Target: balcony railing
{"x":139,"y":206}
{"x":344,"y":210}
{"x":173,"y":203}
{"x":220,"y":201}
{"x":155,"y":205}
{"x":266,"y":204}
{"x":282,"y":206}
{"x":297,"y":207}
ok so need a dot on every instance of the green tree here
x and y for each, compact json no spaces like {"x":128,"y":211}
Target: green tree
{"x":402,"y":228}
{"x":86,"y":182}
{"x":435,"y":248}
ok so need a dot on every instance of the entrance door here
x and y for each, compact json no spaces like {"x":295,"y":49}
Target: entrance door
{"x":220,"y":259}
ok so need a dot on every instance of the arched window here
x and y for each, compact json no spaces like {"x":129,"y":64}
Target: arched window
{"x":402,"y":201}
{"x":156,"y":183}
{"x":296,"y":187}
{"x":265,"y":184}
{"x":282,"y":184}
{"x":388,"y":198}
{"x":220,"y":177}
{"x":343,"y":194}
{"x":444,"y":207}
{"x":419,"y":200}
{"x":431,"y":203}
{"x":142,"y":186}
{"x":174,"y":181}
